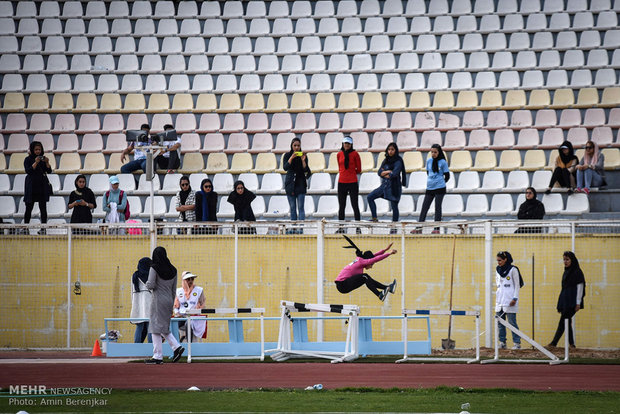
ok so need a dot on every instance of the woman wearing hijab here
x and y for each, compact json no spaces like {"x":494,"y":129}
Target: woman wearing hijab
{"x":508,"y":282}
{"x":141,"y":298}
{"x":82,"y":201}
{"x":565,"y":166}
{"x":393,"y":178}
{"x":206,"y":206}
{"x":530,"y":209}
{"x":438,"y":175}
{"x":571,"y":296}
{"x":352,"y":276}
{"x":590,"y":171}
{"x":189,"y":296}
{"x":295,"y":185}
{"x":114,"y":203}
{"x":162,"y":282}
{"x":241,"y":198}
{"x":37,"y":188}
{"x":186,"y":201}
{"x":349,"y":166}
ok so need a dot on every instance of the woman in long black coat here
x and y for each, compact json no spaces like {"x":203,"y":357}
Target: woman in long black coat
{"x":37,"y":188}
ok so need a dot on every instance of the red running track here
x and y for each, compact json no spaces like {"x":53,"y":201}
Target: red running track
{"x":216,"y":375}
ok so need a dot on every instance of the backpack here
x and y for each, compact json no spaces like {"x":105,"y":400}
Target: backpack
{"x":120,"y":200}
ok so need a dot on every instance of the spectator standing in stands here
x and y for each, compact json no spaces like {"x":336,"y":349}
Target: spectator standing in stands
{"x":590,"y":172}
{"x":438,"y":175}
{"x":297,"y":172}
{"x":114,"y":203}
{"x":508,"y":283}
{"x":37,"y":188}
{"x":82,"y":201}
{"x":565,"y":166}
{"x":530,"y":209}
{"x":349,"y":166}
{"x":190,"y":296}
{"x":393,"y":178}
{"x":186,"y":201}
{"x":141,"y":298}
{"x":162,"y":282}
{"x":139,"y":155}
{"x":571,"y":296}
{"x":170,"y":159}
{"x":241,"y":198}
{"x":206,"y":206}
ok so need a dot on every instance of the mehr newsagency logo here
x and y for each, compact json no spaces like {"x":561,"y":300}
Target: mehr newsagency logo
{"x":41,"y":396}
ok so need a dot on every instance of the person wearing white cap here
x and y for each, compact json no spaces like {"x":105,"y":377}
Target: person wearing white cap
{"x":349,"y":166}
{"x":189,"y":297}
{"x":114,"y":202}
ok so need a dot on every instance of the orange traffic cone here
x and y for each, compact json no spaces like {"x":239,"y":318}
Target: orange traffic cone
{"x":96,"y":350}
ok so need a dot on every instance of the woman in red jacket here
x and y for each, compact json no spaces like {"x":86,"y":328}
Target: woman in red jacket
{"x":349,"y":165}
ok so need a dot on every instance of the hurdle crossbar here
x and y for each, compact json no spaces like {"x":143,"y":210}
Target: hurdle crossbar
{"x":284,"y":349}
{"x":418,"y":312}
{"x":194,"y":314}
{"x":553,"y":360}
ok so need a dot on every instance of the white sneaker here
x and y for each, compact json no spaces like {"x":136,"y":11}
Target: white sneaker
{"x":502,"y":345}
{"x":516,"y":346}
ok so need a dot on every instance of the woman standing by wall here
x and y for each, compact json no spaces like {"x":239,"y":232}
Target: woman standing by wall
{"x":393,"y":178}
{"x":438,"y":176}
{"x":37,"y":188}
{"x":186,"y":201}
{"x":349,"y":166}
{"x":82,"y":201}
{"x":295,"y":184}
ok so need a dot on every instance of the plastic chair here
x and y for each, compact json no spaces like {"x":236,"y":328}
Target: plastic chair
{"x":216,"y":163}
{"x":477,"y":205}
{"x":265,"y":162}
{"x":194,"y":162}
{"x":501,"y":205}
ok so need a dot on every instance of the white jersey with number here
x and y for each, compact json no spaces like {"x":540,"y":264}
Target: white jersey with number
{"x":507,"y":290}
{"x":198,"y":326}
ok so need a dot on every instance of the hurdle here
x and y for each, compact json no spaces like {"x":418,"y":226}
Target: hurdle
{"x":553,"y":360}
{"x":236,"y":348}
{"x":285,"y":347}
{"x":407,"y":313}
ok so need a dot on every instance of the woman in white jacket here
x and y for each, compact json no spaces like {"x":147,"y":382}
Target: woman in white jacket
{"x":508,"y":281}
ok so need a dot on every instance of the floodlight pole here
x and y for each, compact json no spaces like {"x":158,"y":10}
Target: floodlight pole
{"x":152,"y":152}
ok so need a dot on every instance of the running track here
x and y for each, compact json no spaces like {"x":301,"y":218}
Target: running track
{"x":118,"y":374}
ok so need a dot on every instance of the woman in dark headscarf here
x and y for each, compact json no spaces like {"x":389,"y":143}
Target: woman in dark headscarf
{"x":141,"y":298}
{"x":438,"y":175}
{"x":206,"y":202}
{"x":37,"y":188}
{"x":186,"y":201}
{"x":508,"y":282}
{"x":297,"y":172}
{"x":241,"y":198}
{"x":352,"y":276}
{"x":571,"y":296}
{"x":82,"y":201}
{"x":393,"y":178}
{"x":162,"y":282}
{"x":565,"y":166}
{"x":531,"y":209}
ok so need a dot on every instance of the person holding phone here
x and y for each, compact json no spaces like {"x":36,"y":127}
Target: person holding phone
{"x":82,"y":201}
{"x":37,"y":188}
{"x":297,"y":172}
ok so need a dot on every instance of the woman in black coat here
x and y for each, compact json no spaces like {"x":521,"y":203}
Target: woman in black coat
{"x":571,"y":297}
{"x":531,"y":209}
{"x":206,"y":207}
{"x":37,"y":188}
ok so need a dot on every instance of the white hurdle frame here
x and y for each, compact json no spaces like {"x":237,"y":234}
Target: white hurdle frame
{"x":425,"y":312}
{"x":553,"y":360}
{"x":191,"y":314}
{"x":284,"y":350}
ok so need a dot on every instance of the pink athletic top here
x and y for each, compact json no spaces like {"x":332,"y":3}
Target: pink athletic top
{"x":356,"y":267}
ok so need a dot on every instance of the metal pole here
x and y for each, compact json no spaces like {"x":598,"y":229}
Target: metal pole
{"x":402,"y":268}
{"x":572,"y":234}
{"x":320,"y":273}
{"x":236,"y":228}
{"x":152,"y":212}
{"x":69,"y":245}
{"x":488,"y":286}
{"x":533,"y":291}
